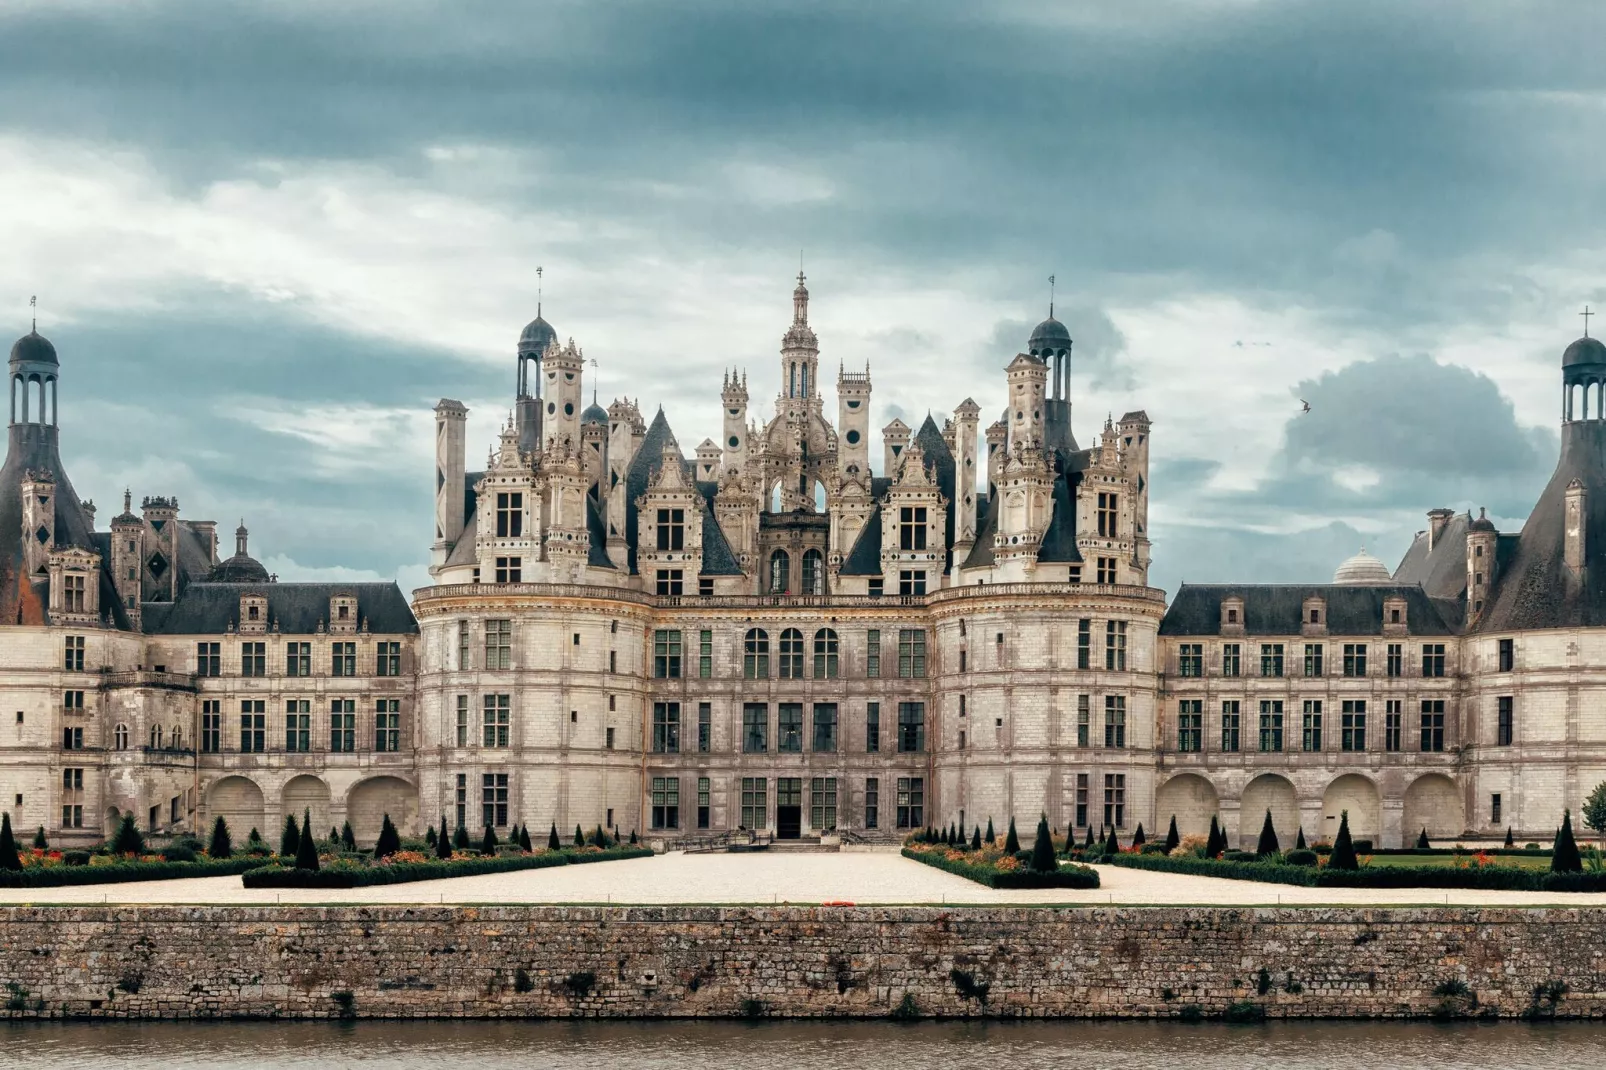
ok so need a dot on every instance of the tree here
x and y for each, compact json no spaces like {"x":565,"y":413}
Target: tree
{"x":524,"y":837}
{"x":443,"y":842}
{"x":1511,"y":840}
{"x":1594,"y":812}
{"x":460,"y":839}
{"x":8,"y":846}
{"x":1011,"y":841}
{"x":488,"y":844}
{"x":975,"y":838}
{"x":1138,"y":838}
{"x":253,"y":839}
{"x":1268,"y":838}
{"x":552,"y":843}
{"x":290,"y":838}
{"x":962,"y":836}
{"x":39,"y":841}
{"x":348,"y":838}
{"x":1089,"y":842}
{"x":1043,"y":860}
{"x":334,"y":838}
{"x":429,"y":836}
{"x":1299,"y":841}
{"x":600,"y":839}
{"x":991,"y":837}
{"x":1565,"y":857}
{"x":579,"y":837}
{"x":127,"y":840}
{"x":1112,"y":846}
{"x":389,"y":841}
{"x":1422,"y":843}
{"x":1171,"y":837}
{"x":1343,"y":856}
{"x":220,"y":847}
{"x":1216,"y":842}
{"x":307,"y":847}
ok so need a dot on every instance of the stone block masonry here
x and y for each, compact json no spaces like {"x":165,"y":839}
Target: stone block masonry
{"x":630,"y":962}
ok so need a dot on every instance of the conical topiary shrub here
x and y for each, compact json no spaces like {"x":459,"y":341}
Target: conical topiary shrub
{"x":1011,"y":841}
{"x":975,"y":839}
{"x":524,"y":837}
{"x":307,"y":847}
{"x":1112,"y":846}
{"x":1565,"y":857}
{"x":1043,"y":860}
{"x":8,"y":845}
{"x":1138,"y":838}
{"x":579,"y":837}
{"x":290,"y":838}
{"x":1268,"y":838}
{"x":1216,"y":842}
{"x":633,"y":840}
{"x":429,"y":837}
{"x":460,"y":838}
{"x":991,"y":837}
{"x":1299,"y":840}
{"x":552,"y":843}
{"x":1343,"y":856}
{"x":389,"y":841}
{"x":348,"y":838}
{"x":1511,"y":840}
{"x":962,"y":836}
{"x":127,"y":840}
{"x":443,"y":842}
{"x":219,"y":847}
{"x":1171,"y":836}
{"x":1422,"y":843}
{"x":1089,"y":841}
{"x":39,"y":841}
{"x":488,"y":843}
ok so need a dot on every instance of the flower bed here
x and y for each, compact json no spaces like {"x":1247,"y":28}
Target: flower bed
{"x":406,"y":866}
{"x":48,"y":869}
{"x":995,"y":869}
{"x":1472,"y":875}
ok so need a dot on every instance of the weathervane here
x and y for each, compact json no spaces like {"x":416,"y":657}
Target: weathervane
{"x":33,"y":310}
{"x":1586,"y":314}
{"x":1051,"y":297}
{"x":538,"y":271}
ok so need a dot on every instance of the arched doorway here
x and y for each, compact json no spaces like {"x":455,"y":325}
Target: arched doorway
{"x":1191,"y":799}
{"x":371,"y":800}
{"x":780,"y":572}
{"x":1357,"y":795}
{"x":1432,"y":802}
{"x":1268,"y":792}
{"x":307,"y":794}
{"x":238,"y":801}
{"x":813,"y":572}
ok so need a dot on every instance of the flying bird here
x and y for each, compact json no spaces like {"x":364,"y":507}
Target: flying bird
{"x":1306,"y":405}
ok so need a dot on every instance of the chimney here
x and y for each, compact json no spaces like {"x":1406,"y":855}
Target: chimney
{"x":1437,"y":520}
{"x":1575,"y":527}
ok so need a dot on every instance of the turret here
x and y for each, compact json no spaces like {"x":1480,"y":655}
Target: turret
{"x":160,"y":515}
{"x":800,"y":356}
{"x":966,"y":418}
{"x":853,"y":424}
{"x":534,"y":341}
{"x":128,"y":557}
{"x":894,"y":440}
{"x":625,"y":432}
{"x":708,"y":461}
{"x":451,"y":424}
{"x":1028,"y":378}
{"x":734,"y":397}
{"x":997,"y":447}
{"x":563,"y":370}
{"x":1481,"y":545}
{"x":1134,"y":432}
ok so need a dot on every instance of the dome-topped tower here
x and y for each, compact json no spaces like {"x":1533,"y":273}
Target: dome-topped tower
{"x":1363,"y":570}
{"x":242,"y":567}
{"x":1049,"y":338}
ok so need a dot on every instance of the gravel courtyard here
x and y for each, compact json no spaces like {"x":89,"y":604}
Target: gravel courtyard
{"x":860,"y":877}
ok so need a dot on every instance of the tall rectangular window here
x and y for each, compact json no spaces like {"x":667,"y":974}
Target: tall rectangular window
{"x":464,"y":658}
{"x":493,"y":799}
{"x":1106,"y":569}
{"x":1354,"y":659}
{"x":1503,"y":721}
{"x":253,"y":726}
{"x":872,"y":652}
{"x":73,"y":593}
{"x":208,"y":659}
{"x":298,"y":659}
{"x":343,"y":725}
{"x":1190,"y":659}
{"x":872,"y":727}
{"x":822,"y":803}
{"x":755,"y":802}
{"x":1081,"y":800}
{"x":211,"y":726}
{"x":703,"y":808}
{"x":1392,"y":716}
{"x":72,"y":798}
{"x":911,"y":581}
{"x":1271,"y":659}
{"x":1494,"y":808}
{"x":824,"y":729}
{"x":462,"y":720}
{"x":387,"y":659}
{"x":1084,"y":718}
{"x":497,"y":721}
{"x":1506,"y":658}
{"x":791,"y":654}
{"x":666,"y":654}
{"x":671,"y":581}
{"x":911,"y":653}
{"x":827,"y":656}
{"x":509,"y":569}
{"x":387,"y":725}
{"x":1313,"y":659}
{"x":498,"y":644}
{"x":1115,"y":720}
{"x":1230,"y":739}
{"x":666,"y":728}
{"x":1190,"y":725}
{"x":705,"y":727}
{"x":911,"y":727}
{"x":1115,"y":800}
{"x":665,"y":793}
{"x":911,"y":802}
{"x":1231,"y":659}
{"x":1271,"y":726}
{"x":509,"y":515}
{"x":1084,"y":644}
{"x":1432,"y":659}
{"x":1394,"y":660}
{"x":1311,"y":726}
{"x":343,"y":659}
{"x":298,"y":725}
{"x":872,"y":803}
{"x":705,"y":654}
{"x":1115,"y":645}
{"x":73,"y":658}
{"x":1433,"y":724}
{"x":1353,"y":726}
{"x":1106,"y":515}
{"x":671,"y":530}
{"x":253,"y":659}
{"x":755,"y":729}
{"x":789,"y":728}
{"x":912,"y":527}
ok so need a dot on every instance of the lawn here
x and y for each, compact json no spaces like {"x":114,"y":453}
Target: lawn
{"x":1439,"y":858}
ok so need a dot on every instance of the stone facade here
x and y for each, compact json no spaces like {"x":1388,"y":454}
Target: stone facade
{"x":770,"y":636}
{"x":1007,"y":962}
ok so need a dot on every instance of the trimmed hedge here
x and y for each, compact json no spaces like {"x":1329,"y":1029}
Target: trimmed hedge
{"x":1066,"y":876}
{"x":1493,"y":878}
{"x":122,"y":872}
{"x":406,"y":872}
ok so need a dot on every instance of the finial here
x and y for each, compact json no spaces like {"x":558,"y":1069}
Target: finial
{"x":128,"y":501}
{"x":1051,"y":297}
{"x":33,"y":307}
{"x":1586,"y":314}
{"x":538,"y":273}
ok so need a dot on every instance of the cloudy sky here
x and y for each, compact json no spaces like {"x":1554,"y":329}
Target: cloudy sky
{"x":265,"y":244}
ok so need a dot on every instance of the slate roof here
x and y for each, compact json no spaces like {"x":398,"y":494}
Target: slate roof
{"x":34,"y":448}
{"x":1442,"y":571}
{"x":597,"y":532}
{"x":940,"y":461}
{"x":1059,"y":541}
{"x":297,"y":608}
{"x":718,"y":557}
{"x":981,"y":554}
{"x":1277,"y":609}
{"x":865,"y":557}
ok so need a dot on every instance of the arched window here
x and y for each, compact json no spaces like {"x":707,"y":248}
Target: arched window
{"x":156,"y":737}
{"x":756,"y":654}
{"x":775,"y":498}
{"x":780,"y":572}
{"x":813,"y":572}
{"x":120,"y":737}
{"x":791,"y":654}
{"x":175,"y":738}
{"x":825,"y":654}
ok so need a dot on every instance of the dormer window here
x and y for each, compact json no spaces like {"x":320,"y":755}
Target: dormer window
{"x":342,"y":612}
{"x":1232,"y":616}
{"x":1315,"y":616}
{"x":253,"y":612}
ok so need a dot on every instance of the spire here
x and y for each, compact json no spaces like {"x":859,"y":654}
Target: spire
{"x":1051,"y":297}
{"x":539,"y":271}
{"x":800,"y":302}
{"x":128,"y":501}
{"x":240,"y":537}
{"x":33,"y":310}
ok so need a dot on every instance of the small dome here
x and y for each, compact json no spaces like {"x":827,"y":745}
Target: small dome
{"x":1483,"y":523}
{"x":241,"y":568}
{"x":594,"y":414}
{"x":33,"y":347}
{"x":1363,"y":570}
{"x":1048,"y":338}
{"x":536,"y":336}
{"x":1584,"y":351}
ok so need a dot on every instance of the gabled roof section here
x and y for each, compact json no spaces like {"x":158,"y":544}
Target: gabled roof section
{"x":940,"y":459}
{"x":865,"y":557}
{"x":1059,"y":541}
{"x":643,"y":467}
{"x":1277,"y":609}
{"x":981,"y":554}
{"x":718,"y":557}
{"x":597,"y":532}
{"x":1441,"y":571}
{"x":33,"y":448}
{"x":297,"y":608}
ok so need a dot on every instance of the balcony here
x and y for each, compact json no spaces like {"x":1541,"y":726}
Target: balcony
{"x":166,"y":681}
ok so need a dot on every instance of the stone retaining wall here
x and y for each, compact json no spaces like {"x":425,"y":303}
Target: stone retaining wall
{"x":399,"y":961}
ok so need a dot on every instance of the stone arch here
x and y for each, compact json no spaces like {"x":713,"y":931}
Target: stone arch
{"x":304,"y":794}
{"x":1268,"y":792}
{"x":238,"y":801}
{"x":1433,"y":801}
{"x":1358,"y":795}
{"x":114,"y":817}
{"x":1191,"y":799}
{"x":369,"y":802}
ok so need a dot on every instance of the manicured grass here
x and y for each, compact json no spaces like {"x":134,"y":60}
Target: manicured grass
{"x":1540,"y":862}
{"x":354,"y":873}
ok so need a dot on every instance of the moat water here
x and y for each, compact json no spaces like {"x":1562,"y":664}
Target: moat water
{"x":381,"y":1045}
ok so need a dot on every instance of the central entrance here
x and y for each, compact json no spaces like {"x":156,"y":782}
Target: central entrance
{"x":788,"y":808}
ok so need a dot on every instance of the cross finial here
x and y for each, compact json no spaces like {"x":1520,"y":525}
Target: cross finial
{"x":1586,"y":314}
{"x":33,"y":307}
{"x":1051,"y":297}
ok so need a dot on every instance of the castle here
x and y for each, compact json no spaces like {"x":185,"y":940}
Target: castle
{"x":769,"y":635}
